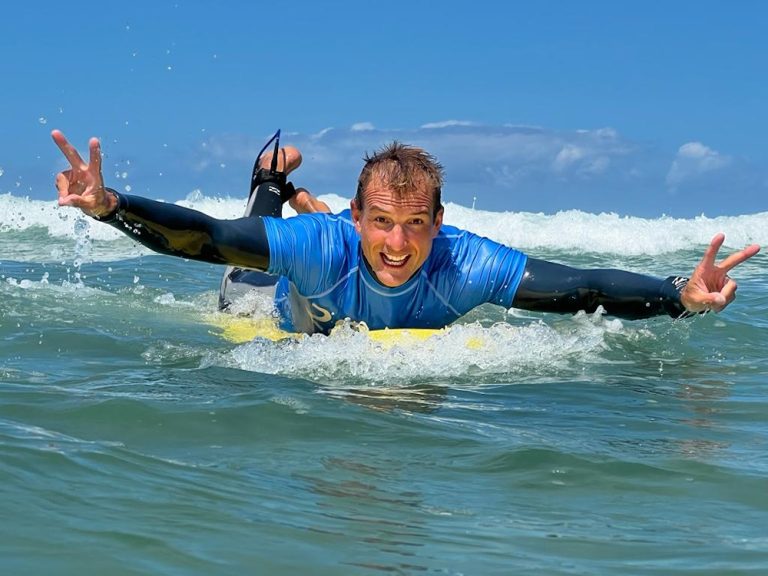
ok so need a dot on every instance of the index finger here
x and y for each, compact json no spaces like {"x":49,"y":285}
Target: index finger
{"x":67,"y":149}
{"x":95,"y":148}
{"x":711,"y":252}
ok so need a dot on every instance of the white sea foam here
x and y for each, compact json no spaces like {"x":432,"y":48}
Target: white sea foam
{"x":471,"y":352}
{"x":565,"y":231}
{"x":608,"y":233}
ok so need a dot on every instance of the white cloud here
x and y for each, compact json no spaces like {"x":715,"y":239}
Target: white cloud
{"x":567,"y":156}
{"x":362,"y":127}
{"x":446,"y":124}
{"x":694,"y":159}
{"x":606,"y":133}
{"x":596,"y":166}
{"x":322,"y":133}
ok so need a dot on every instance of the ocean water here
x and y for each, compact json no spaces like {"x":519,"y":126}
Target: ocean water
{"x":134,"y":439}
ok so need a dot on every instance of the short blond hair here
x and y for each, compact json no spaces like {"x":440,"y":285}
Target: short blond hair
{"x":402,"y":168}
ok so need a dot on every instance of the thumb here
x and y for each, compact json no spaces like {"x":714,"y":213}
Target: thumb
{"x":62,"y":184}
{"x":718,"y":299}
{"x":713,"y":301}
{"x":71,"y":200}
{"x":62,"y":181}
{"x":698,"y":300}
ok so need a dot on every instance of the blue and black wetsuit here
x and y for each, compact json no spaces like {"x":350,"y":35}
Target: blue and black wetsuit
{"x":324,"y":277}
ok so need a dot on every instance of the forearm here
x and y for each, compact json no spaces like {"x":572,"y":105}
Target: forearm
{"x":549,"y":287}
{"x":178,"y":231}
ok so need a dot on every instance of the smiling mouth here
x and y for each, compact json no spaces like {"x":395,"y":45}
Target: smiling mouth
{"x":394,"y":261}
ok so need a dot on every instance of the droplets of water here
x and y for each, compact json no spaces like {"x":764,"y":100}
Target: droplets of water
{"x":82,"y":250}
{"x":166,"y":299}
{"x":83,"y":244}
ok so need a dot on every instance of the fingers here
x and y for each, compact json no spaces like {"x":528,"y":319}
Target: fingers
{"x":91,"y":205}
{"x":731,"y":261}
{"x":67,"y":149}
{"x":710,"y":287}
{"x":72,"y":200}
{"x":95,"y":148}
{"x":711,"y":252}
{"x":714,"y":301}
{"x":729,"y":290}
{"x":62,"y":184}
{"x":738,"y":257}
{"x":706,"y":302}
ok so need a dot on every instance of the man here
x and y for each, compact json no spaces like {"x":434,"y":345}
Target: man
{"x":389,"y":261}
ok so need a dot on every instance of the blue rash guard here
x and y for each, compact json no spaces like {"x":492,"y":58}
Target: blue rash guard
{"x":325,"y":279}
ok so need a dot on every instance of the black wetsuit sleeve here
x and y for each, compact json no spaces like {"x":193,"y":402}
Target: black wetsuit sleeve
{"x":550,"y":287}
{"x":178,"y":231}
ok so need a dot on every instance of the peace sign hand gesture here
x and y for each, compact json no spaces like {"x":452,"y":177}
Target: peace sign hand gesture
{"x":82,"y":185}
{"x":710,"y":287}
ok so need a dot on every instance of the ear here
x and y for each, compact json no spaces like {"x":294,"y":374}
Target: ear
{"x":356,"y":214}
{"x":437,"y":223}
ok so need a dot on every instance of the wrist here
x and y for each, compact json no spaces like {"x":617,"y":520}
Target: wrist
{"x":674,"y":288}
{"x":108,"y":209}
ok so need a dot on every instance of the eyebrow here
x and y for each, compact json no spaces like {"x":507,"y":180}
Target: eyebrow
{"x":418,"y":211}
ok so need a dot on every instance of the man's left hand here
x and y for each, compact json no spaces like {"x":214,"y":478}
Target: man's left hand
{"x":710,"y":287}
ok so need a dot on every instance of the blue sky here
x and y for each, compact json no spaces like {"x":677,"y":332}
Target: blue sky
{"x":638,"y":108}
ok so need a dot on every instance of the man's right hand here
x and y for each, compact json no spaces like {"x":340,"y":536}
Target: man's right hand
{"x":82,"y":185}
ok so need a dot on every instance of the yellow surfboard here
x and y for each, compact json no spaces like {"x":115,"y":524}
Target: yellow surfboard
{"x":239,"y":329}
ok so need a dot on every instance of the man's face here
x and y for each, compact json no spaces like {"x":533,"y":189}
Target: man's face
{"x":395,"y":233}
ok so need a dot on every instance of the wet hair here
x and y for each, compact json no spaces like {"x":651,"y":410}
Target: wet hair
{"x":403,"y":169}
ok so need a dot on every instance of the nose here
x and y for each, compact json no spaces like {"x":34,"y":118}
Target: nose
{"x":396,"y":240}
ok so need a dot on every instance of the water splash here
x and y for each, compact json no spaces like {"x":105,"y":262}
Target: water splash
{"x":82,"y":242}
{"x":466,"y":355}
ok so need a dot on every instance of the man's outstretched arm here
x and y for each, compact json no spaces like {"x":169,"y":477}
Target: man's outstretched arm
{"x":164,"y":228}
{"x":549,"y":287}
{"x":186,"y":233}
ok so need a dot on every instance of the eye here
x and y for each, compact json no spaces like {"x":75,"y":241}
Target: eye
{"x":380,"y":220}
{"x":417,"y":221}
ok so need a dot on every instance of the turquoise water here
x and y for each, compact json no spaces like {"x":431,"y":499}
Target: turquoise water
{"x":135,"y":440}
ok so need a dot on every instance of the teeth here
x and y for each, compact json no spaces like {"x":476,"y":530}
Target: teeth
{"x":395,"y":260}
